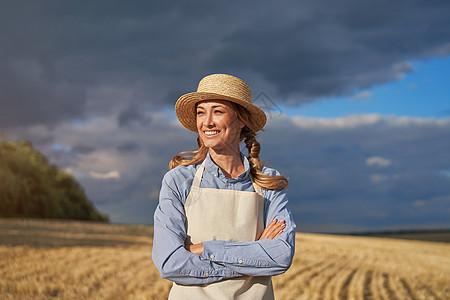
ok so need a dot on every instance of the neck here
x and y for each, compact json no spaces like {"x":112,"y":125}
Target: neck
{"x":230,"y":163}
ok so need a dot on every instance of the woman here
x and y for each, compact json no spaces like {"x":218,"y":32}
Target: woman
{"x":222,"y":226}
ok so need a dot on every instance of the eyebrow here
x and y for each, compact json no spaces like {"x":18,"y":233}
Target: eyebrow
{"x":214,"y":106}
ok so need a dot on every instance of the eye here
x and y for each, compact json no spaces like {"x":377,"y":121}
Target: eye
{"x":219,"y":111}
{"x":199,"y":112}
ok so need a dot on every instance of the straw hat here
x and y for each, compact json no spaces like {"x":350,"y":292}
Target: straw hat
{"x":219,"y":87}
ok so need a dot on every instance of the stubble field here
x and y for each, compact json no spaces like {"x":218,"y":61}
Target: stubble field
{"x":76,"y":260}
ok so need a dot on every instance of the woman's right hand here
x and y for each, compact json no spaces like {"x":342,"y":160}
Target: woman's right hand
{"x":273,"y":230}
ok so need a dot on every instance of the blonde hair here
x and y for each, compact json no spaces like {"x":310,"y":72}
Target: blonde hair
{"x":265,"y":181}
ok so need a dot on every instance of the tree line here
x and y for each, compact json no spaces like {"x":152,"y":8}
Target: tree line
{"x":31,"y":187}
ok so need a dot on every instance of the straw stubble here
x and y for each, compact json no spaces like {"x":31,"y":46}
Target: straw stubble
{"x":79,"y":260}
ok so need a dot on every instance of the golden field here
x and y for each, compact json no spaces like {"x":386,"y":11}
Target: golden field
{"x":76,"y":260}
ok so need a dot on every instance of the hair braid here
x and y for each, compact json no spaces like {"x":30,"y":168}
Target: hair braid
{"x":253,"y":148}
{"x":265,"y":181}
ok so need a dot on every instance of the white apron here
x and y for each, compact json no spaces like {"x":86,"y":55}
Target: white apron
{"x":228,"y":215}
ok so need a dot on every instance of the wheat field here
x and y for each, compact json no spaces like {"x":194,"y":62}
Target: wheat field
{"x":77,"y":260}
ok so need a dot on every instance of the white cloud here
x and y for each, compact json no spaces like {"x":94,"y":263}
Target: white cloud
{"x":105,"y":176}
{"x":347,"y":122}
{"x":404,"y":121}
{"x":400,"y":69}
{"x":364,"y":120}
{"x":378,"y":161}
{"x":362,"y":95}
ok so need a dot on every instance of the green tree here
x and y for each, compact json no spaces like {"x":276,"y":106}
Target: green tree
{"x":32,"y":187}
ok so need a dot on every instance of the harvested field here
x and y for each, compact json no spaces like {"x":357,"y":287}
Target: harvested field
{"x":77,"y":260}
{"x":344,"y":267}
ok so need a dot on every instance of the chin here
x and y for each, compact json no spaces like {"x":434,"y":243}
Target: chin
{"x":210,"y":143}
{"x":216,"y":145}
{"x":213,"y":146}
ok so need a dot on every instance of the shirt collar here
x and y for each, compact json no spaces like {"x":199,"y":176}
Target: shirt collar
{"x":214,"y":169}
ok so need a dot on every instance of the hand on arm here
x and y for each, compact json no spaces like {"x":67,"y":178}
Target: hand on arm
{"x":274,"y":229}
{"x":196,"y":248}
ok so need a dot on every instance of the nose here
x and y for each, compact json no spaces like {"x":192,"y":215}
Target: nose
{"x":209,"y":121}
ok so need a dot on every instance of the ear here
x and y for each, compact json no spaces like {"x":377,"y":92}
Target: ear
{"x":241,"y":124}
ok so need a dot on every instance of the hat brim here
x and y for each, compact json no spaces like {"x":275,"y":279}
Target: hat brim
{"x":185,"y":109}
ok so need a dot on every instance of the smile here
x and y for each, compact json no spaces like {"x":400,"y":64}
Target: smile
{"x":211,"y":132}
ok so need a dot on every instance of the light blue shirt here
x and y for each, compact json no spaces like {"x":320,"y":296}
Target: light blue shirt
{"x":220,"y":259}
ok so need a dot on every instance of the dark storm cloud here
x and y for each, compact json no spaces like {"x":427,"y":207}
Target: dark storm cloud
{"x":334,"y":48}
{"x":27,"y":98}
{"x":57,"y":58}
{"x":334,"y":184}
{"x":132,"y":116}
{"x":128,"y":147}
{"x":83,"y":149}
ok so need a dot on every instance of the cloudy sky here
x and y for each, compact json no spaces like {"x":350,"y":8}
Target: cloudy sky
{"x":356,"y":93}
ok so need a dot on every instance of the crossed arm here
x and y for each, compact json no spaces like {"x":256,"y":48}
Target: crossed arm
{"x":274,"y":229}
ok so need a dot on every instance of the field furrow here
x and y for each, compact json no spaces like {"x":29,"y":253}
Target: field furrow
{"x":315,"y":287}
{"x":315,"y":273}
{"x":407,"y":289}
{"x":294,"y":273}
{"x":387,"y":287}
{"x":297,"y":282}
{"x":368,"y":277}
{"x":356,"y":285}
{"x":323,"y":283}
{"x":338,"y":282}
{"x":344,"y":292}
{"x":428,"y":293}
{"x":329,"y":289}
{"x":377,"y":287}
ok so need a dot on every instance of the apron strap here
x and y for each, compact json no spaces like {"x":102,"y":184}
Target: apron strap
{"x":199,"y":175}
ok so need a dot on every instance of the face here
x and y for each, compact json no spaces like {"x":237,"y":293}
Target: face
{"x":218,"y":125}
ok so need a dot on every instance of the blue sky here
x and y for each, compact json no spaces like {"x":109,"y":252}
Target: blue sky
{"x":425,"y":92}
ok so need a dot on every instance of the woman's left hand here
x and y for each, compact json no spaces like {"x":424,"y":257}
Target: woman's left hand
{"x":274,"y":229}
{"x":196,"y":248}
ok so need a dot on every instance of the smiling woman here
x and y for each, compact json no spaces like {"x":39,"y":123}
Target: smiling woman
{"x":222,"y":226}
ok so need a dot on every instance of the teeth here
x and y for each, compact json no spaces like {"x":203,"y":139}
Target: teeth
{"x":211,"y":132}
